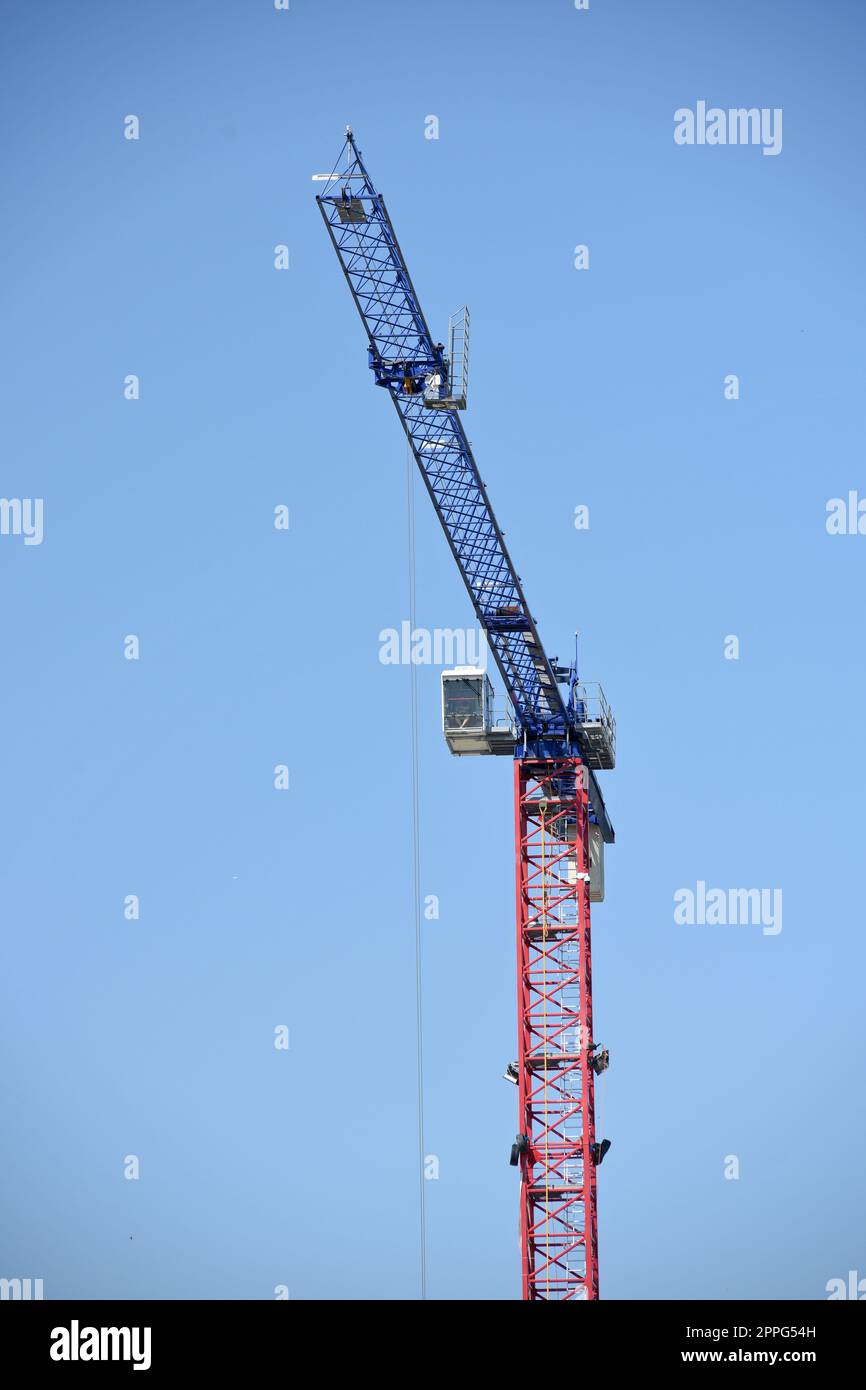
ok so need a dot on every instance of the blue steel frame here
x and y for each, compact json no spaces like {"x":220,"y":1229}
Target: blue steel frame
{"x":401,"y":354}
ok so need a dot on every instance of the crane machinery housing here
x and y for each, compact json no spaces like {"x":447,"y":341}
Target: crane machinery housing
{"x":559,"y":732}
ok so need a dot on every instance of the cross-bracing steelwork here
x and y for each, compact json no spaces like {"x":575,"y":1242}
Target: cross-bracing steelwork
{"x":559,"y":732}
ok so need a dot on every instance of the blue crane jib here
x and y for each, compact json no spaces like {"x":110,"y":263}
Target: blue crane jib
{"x":407,"y":361}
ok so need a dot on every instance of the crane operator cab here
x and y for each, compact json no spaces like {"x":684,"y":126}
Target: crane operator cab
{"x":467,"y":706}
{"x":469,"y":722}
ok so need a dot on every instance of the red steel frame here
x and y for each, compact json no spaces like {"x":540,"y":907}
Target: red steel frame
{"x":558,"y":1223}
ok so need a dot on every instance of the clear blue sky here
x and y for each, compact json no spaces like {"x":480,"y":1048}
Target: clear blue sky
{"x":707,"y":518}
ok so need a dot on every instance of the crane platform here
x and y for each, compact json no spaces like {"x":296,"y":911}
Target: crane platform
{"x":596,"y":728}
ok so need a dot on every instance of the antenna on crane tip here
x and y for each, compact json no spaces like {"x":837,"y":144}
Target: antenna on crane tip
{"x":326,"y":178}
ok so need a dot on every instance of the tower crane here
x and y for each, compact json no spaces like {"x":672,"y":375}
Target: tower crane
{"x":558,"y":730}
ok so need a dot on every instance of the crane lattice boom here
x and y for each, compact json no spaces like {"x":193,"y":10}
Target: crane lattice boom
{"x":402,"y":355}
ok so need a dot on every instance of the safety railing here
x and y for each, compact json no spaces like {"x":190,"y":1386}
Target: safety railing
{"x":596,"y":721}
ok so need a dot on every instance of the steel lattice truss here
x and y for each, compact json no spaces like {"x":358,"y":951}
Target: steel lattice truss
{"x":557,"y":1144}
{"x":402,"y":353}
{"x":558,"y":1225}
